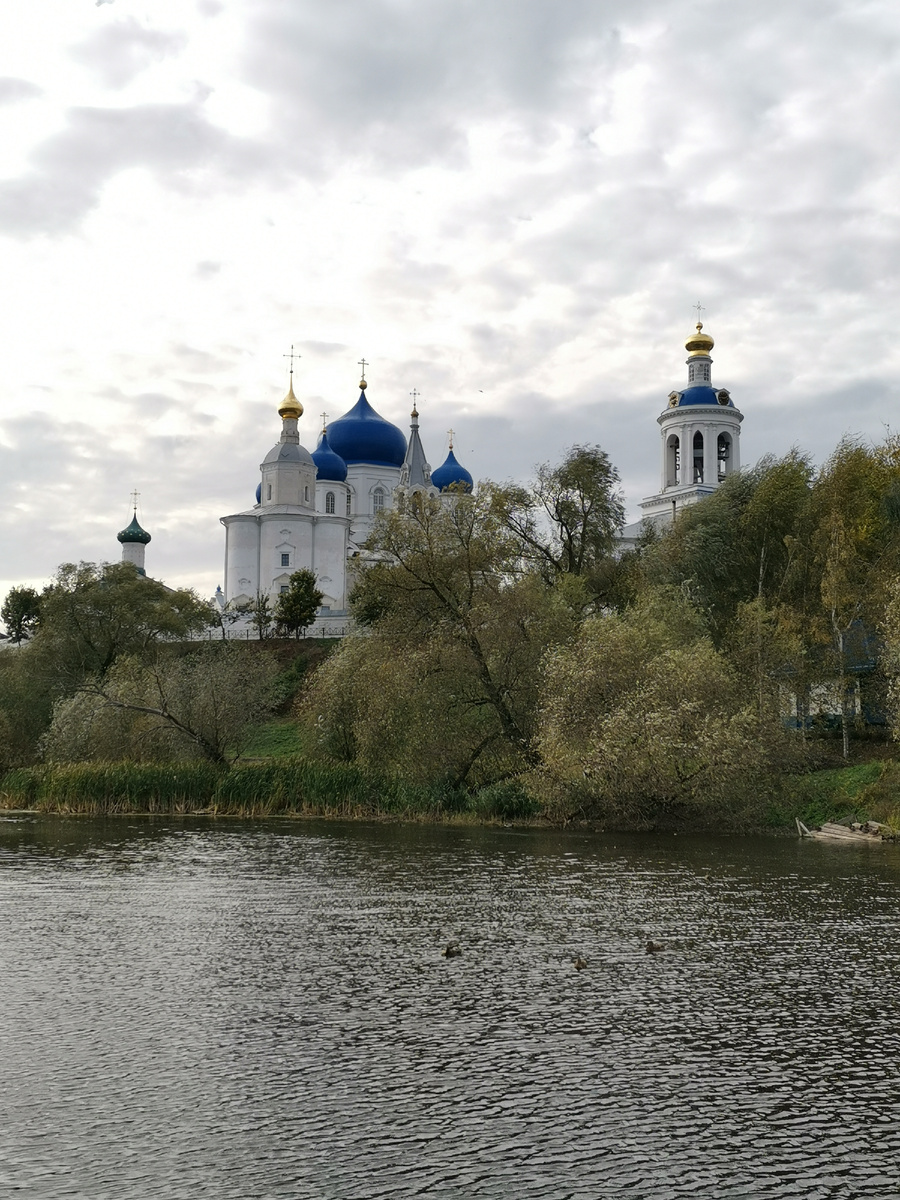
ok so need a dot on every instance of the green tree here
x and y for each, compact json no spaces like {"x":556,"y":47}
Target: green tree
{"x":20,"y":613}
{"x":202,"y":703}
{"x":92,"y":613}
{"x":567,"y":520}
{"x":261,"y":615}
{"x":644,"y":721}
{"x":296,"y":608}
{"x":445,"y":681}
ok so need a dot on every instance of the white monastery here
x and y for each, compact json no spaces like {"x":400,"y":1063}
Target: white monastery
{"x":314,"y":510}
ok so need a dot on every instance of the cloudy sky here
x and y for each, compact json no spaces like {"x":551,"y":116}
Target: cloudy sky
{"x":509,"y":205}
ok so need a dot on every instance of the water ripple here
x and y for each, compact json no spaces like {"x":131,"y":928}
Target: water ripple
{"x":241,"y":1010}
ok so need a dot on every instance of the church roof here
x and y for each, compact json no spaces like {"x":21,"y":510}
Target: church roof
{"x":451,"y":473}
{"x":329,"y":466}
{"x":362,"y":436}
{"x":134,"y":533}
{"x":419,"y":471}
{"x":702,"y":393}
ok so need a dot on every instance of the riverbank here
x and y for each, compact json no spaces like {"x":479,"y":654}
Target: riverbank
{"x":290,"y":785}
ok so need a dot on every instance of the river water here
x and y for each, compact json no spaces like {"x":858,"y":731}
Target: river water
{"x":248,"y":1010}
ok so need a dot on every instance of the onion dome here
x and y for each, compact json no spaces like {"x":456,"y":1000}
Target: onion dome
{"x":134,"y":533}
{"x":451,"y":473}
{"x":290,"y":405}
{"x":362,"y":436}
{"x":699,"y":342}
{"x":329,"y":466}
{"x":259,"y":493}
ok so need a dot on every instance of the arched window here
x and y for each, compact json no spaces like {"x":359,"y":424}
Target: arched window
{"x":329,"y":502}
{"x":723,"y":454}
{"x":349,"y":502}
{"x":378,"y":500}
{"x":269,"y":491}
{"x":698,"y":457}
{"x":306,"y":494}
{"x":673,"y":461}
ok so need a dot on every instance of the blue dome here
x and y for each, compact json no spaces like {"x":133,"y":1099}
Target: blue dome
{"x":702,"y":394}
{"x":259,"y":493}
{"x":328,"y":464}
{"x":361,"y":436}
{"x":451,"y":472}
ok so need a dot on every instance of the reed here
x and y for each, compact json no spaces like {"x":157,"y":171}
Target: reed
{"x":286,"y":785}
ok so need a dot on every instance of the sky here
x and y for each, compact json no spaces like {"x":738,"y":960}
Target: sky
{"x":511,"y":206}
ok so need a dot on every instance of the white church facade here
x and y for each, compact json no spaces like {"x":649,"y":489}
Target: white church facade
{"x":314,"y":510}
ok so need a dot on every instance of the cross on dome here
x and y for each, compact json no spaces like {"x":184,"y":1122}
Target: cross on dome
{"x":134,"y":499}
{"x":292,"y":356}
{"x":451,"y":434}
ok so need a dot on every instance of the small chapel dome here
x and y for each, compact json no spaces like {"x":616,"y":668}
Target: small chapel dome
{"x":362,"y":436}
{"x":451,"y":473}
{"x":258,"y":493}
{"x":290,"y":405}
{"x":699,"y":342}
{"x":329,"y":466}
{"x":134,"y":533}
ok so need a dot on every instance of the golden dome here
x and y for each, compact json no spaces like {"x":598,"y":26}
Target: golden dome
{"x":699,"y":342}
{"x":362,"y":385}
{"x":290,"y":405}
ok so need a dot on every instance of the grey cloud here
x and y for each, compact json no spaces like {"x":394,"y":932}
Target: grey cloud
{"x":119,"y":52}
{"x":174,"y":140}
{"x":400,"y":83}
{"x":13,"y":90}
{"x":207,"y":269}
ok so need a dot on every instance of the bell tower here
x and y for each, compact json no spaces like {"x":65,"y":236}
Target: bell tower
{"x":700,"y":432}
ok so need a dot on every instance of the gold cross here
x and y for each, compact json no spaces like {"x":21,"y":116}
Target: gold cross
{"x":134,"y":499}
{"x":450,"y":435}
{"x":362,"y":363}
{"x":700,"y":309}
{"x":324,"y":422}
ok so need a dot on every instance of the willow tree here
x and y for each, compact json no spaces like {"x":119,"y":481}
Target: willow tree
{"x":445,"y":681}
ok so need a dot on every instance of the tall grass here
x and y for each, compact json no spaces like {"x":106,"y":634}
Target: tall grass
{"x":286,"y":785}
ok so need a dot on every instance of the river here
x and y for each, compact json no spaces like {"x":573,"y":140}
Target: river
{"x":247,"y":1010}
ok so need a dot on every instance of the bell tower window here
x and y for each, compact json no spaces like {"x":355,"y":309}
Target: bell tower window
{"x":723,"y":454}
{"x":329,"y":502}
{"x":673,"y":461}
{"x":698,"y":457}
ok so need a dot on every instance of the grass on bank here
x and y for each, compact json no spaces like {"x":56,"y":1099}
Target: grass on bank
{"x":287,"y":785}
{"x":862,"y":791}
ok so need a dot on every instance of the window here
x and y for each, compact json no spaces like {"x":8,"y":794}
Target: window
{"x":349,"y":502}
{"x":723,"y":454}
{"x":329,"y":502}
{"x":269,"y":491}
{"x":698,"y":458}
{"x":283,"y":589}
{"x":306,"y":494}
{"x":673,"y":462}
{"x":378,"y":500}
{"x":285,"y":560}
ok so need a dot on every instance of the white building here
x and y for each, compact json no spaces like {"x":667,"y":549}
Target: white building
{"x":700,"y":438}
{"x":315,"y":510}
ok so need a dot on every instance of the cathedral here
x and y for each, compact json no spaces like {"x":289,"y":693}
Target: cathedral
{"x":314,"y":510}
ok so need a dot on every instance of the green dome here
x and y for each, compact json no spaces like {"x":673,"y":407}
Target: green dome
{"x":134,"y":533}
